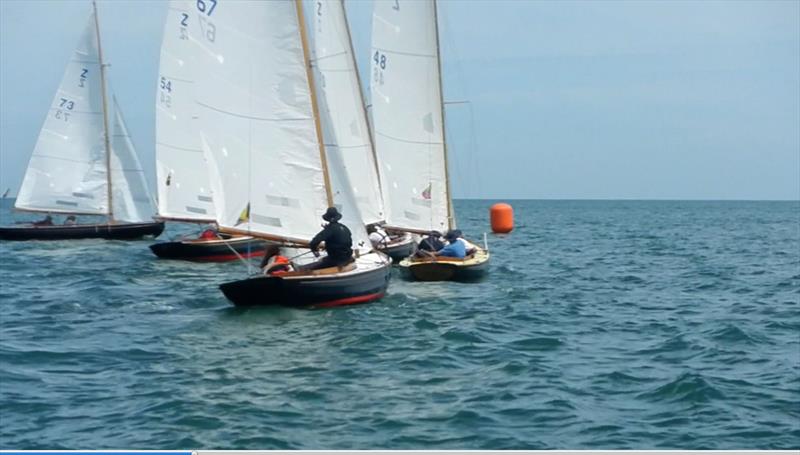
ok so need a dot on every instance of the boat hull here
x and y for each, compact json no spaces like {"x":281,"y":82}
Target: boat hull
{"x":401,"y":250}
{"x":210,"y":251}
{"x":122,"y":231}
{"x":444,"y":269}
{"x":310,"y":291}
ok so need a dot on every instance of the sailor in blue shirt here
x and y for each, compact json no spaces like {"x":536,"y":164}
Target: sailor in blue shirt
{"x":454,"y":248}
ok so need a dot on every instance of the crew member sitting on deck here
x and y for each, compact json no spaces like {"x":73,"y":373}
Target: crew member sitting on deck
{"x":274,"y":263}
{"x":454,"y":248}
{"x":209,"y":234}
{"x":47,"y":221}
{"x":469,"y":248}
{"x":70,"y":221}
{"x":338,"y":242}
{"x":377,"y":236}
{"x":430,"y":244}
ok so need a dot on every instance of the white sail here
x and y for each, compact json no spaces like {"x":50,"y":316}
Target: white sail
{"x":338,"y":84}
{"x":256,"y":120}
{"x":342,"y":186}
{"x":407,"y":114}
{"x":131,"y":196}
{"x":184,"y":190}
{"x":67,"y":170}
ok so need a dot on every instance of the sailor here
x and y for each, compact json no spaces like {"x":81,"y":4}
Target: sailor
{"x":377,"y":236}
{"x":209,"y":234}
{"x":338,"y":242}
{"x":469,"y":248}
{"x":70,"y":221}
{"x":47,"y":221}
{"x":454,"y":248}
{"x":431,"y":243}
{"x":274,"y":263}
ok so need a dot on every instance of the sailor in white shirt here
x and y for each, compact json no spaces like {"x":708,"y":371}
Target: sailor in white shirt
{"x":377,"y":236}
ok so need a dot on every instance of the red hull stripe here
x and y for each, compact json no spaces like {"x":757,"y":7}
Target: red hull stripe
{"x":349,"y":300}
{"x":226,"y":257}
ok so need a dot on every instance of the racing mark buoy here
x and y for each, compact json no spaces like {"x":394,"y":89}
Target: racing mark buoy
{"x":502,"y":218}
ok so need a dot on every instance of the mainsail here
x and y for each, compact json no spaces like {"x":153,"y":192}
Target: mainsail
{"x":408,"y":115}
{"x":257,"y":120}
{"x":184,"y":190}
{"x":67,"y":171}
{"x":346,"y":132}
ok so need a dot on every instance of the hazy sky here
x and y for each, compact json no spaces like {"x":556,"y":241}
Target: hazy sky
{"x":587,"y":99}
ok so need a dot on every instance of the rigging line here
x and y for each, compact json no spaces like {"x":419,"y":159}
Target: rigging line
{"x":263,"y":119}
{"x":249,"y":266}
{"x":179,"y":148}
{"x":317,"y":59}
{"x":408,"y":141}
{"x":408,"y":54}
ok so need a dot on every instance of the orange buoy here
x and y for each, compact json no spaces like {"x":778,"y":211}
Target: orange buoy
{"x":502,"y":218}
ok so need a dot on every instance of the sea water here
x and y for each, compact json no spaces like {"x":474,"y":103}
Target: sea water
{"x":602,"y":325}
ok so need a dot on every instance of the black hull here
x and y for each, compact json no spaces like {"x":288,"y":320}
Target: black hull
{"x":399,"y":251}
{"x":123,"y":231}
{"x":215,"y":251}
{"x":313,"y":291}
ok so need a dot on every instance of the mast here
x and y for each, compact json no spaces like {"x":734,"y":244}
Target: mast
{"x":107,"y":137}
{"x":315,"y":108}
{"x":363,"y":104}
{"x":450,"y":217}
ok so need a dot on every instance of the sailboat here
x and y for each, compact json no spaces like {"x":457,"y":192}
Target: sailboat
{"x":184,"y":189}
{"x":409,"y":123}
{"x":261,"y":130}
{"x":81,"y":165}
{"x":349,"y":134}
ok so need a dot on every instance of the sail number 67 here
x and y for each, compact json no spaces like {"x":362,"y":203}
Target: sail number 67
{"x":203,"y":5}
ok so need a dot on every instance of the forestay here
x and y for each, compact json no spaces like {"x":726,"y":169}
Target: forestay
{"x":131,"y":197}
{"x":256,"y":121}
{"x":184,"y":190}
{"x":347,"y":131}
{"x":407,"y":114}
{"x":67,"y":170}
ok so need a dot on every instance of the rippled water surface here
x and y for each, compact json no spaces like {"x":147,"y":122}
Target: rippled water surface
{"x":602,"y":325}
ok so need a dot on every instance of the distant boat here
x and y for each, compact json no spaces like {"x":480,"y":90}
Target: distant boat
{"x":184,"y":187}
{"x":5,"y":194}
{"x":347,"y":130}
{"x":82,"y":166}
{"x":409,"y":124}
{"x":260,"y":127}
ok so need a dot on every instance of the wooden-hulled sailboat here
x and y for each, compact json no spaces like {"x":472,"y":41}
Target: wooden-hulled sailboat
{"x":184,"y":190}
{"x":348,"y":134}
{"x":261,"y":131}
{"x":408,"y":118}
{"x":80,"y":165}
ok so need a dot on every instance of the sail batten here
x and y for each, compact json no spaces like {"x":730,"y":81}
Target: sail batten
{"x":408,"y":115}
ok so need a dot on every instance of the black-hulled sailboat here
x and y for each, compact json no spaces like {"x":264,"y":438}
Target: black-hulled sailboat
{"x":83,"y":166}
{"x":409,"y":125}
{"x":184,"y":189}
{"x":261,"y":130}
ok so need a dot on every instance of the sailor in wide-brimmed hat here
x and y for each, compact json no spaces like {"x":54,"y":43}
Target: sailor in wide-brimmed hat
{"x":338,"y":242}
